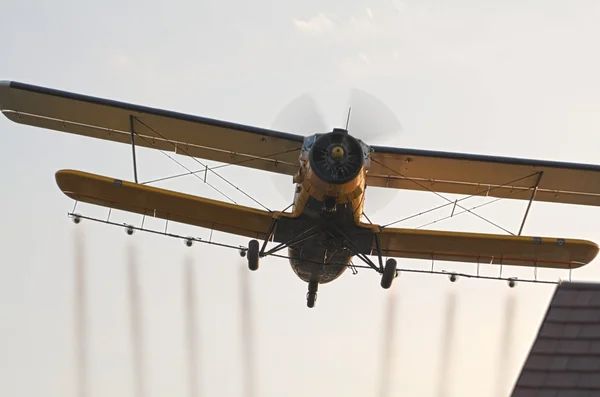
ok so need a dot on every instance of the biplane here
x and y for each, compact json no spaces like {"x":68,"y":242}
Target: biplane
{"x":330,"y":170}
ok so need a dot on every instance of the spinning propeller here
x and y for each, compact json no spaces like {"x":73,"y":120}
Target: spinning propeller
{"x":366,"y":117}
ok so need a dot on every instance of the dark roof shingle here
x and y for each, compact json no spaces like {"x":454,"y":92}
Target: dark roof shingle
{"x":564,"y":360}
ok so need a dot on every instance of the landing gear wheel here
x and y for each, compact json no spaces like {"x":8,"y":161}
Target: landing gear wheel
{"x":252,"y":255}
{"x":311,"y":295}
{"x":311,"y":298}
{"x":389,"y":273}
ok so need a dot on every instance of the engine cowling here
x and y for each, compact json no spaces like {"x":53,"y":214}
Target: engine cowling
{"x":336,"y":157}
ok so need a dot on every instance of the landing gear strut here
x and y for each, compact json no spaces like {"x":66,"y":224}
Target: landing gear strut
{"x":311,"y":295}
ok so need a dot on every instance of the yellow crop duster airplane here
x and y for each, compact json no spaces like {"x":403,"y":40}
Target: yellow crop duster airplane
{"x":331,"y":171}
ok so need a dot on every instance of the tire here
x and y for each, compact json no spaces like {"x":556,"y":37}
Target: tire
{"x":389,"y":273}
{"x":311,"y":295}
{"x":252,"y":255}
{"x":311,"y":298}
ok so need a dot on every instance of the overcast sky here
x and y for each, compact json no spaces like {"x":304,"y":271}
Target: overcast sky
{"x":505,"y":78}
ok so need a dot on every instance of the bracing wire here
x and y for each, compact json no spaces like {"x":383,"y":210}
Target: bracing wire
{"x":190,"y":172}
{"x":472,"y":208}
{"x":444,"y":197}
{"x":461,"y":199}
{"x":203,"y":165}
{"x":166,"y":178}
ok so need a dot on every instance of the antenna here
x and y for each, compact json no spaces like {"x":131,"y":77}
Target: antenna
{"x":348,"y":118}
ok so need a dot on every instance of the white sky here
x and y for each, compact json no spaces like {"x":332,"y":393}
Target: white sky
{"x":505,"y":78}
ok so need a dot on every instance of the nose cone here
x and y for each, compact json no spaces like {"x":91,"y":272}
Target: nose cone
{"x":337,"y":153}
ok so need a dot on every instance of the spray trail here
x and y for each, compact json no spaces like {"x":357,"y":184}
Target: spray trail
{"x":81,"y":333}
{"x":505,"y":347}
{"x":136,"y":324}
{"x":190,"y":306}
{"x":447,"y":339}
{"x":388,"y":345}
{"x":247,"y":334}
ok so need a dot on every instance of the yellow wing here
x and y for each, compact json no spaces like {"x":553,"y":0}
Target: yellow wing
{"x":164,"y":204}
{"x":254,"y":223}
{"x":485,"y":175}
{"x":487,"y":248}
{"x":154,"y":128}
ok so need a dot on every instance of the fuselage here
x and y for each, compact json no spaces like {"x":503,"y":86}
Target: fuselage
{"x":329,"y":189}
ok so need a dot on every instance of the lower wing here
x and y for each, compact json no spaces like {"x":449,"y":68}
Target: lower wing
{"x":254,"y":223}
{"x":164,"y":204}
{"x":487,"y":248}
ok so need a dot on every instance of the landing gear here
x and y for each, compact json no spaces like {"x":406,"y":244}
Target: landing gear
{"x":311,"y":295}
{"x":252,"y":254}
{"x":389,"y":273}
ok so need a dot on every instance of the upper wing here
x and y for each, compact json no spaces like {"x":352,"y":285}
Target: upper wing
{"x":484,"y":175}
{"x":487,"y":248}
{"x":155,"y":128}
{"x":164,"y":204}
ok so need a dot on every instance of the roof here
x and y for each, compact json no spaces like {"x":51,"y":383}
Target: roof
{"x":565,"y":357}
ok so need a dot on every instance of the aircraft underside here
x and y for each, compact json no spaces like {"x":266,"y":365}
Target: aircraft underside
{"x":316,"y":265}
{"x":313,"y":261}
{"x":323,"y":255}
{"x":321,"y":244}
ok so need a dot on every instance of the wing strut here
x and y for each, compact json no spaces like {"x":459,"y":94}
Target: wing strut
{"x":297,"y":239}
{"x":535,"y":188}
{"x":131,"y":122}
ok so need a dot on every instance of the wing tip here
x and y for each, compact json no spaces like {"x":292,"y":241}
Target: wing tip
{"x":4,"y":92}
{"x":65,"y":179}
{"x":583,"y":253}
{"x":592,"y":251}
{"x":60,"y":175}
